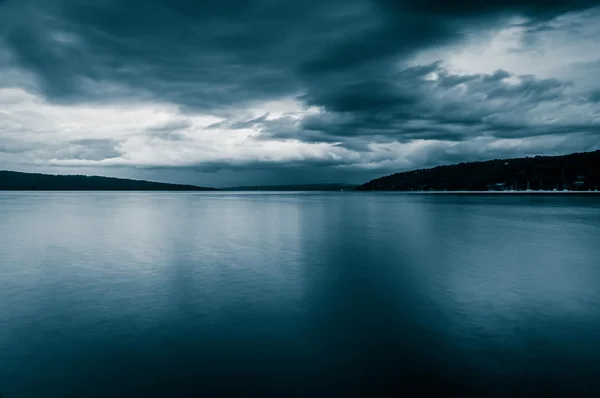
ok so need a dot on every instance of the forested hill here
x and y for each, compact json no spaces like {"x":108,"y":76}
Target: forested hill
{"x":578,"y":172}
{"x":12,"y":180}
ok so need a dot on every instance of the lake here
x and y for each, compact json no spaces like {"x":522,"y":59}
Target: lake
{"x":117,"y":294}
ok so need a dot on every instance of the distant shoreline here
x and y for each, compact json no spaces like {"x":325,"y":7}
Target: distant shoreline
{"x":495,"y":192}
{"x":19,"y":181}
{"x":577,"y":172}
{"x":287,"y":192}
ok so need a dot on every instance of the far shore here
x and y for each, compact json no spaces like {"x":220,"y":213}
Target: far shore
{"x":500,"y":192}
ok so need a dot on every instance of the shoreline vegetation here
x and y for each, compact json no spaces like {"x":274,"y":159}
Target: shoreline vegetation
{"x":17,"y":181}
{"x":578,"y":172}
{"x":535,"y":193}
{"x":540,"y":175}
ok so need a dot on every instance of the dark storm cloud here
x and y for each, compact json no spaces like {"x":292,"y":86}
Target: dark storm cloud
{"x":537,"y":9}
{"x":211,"y":55}
{"x":340,"y":56}
{"x":365,"y":96}
{"x":428,"y":102}
{"x":206,"y":55}
{"x":595,"y":96}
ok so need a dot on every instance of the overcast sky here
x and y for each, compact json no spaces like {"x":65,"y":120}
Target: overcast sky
{"x":234,"y":92}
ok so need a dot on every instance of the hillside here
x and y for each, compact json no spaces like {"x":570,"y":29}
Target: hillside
{"x":12,"y":180}
{"x":577,"y":172}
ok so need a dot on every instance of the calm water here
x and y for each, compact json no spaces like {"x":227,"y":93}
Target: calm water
{"x":298,"y":294}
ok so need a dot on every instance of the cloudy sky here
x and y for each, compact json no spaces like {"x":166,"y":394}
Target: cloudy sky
{"x":235,"y":92}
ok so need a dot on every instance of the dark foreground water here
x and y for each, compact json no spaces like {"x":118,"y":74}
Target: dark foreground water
{"x":298,"y":294}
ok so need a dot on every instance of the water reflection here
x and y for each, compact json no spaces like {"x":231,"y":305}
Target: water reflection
{"x":161,"y":294}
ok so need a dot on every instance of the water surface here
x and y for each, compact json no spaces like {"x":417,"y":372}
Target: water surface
{"x":298,"y":294}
